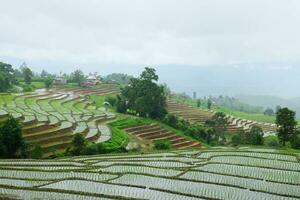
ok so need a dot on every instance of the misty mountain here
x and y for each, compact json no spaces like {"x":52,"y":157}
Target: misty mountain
{"x":271,"y":101}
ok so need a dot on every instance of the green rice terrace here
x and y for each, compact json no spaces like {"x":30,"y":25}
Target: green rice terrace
{"x":227,"y":173}
{"x":200,"y":115}
{"x":51,"y":118}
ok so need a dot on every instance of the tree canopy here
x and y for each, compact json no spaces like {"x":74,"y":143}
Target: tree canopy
{"x":286,"y":123}
{"x":12,"y":144}
{"x":28,"y":74}
{"x":77,"y":76}
{"x":143,"y":96}
{"x":6,"y":77}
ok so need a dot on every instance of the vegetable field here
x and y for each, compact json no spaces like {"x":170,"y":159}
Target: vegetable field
{"x":51,"y":118}
{"x":154,"y":132}
{"x":201,"y":115}
{"x":182,"y":174}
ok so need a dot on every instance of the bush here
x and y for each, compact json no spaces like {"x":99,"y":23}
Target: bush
{"x":171,"y":120}
{"x":37,"y":152}
{"x":111,"y":100}
{"x":272,"y":142}
{"x":295,"y":142}
{"x":27,"y":88}
{"x":236,"y":140}
{"x":77,"y":146}
{"x":162,"y":144}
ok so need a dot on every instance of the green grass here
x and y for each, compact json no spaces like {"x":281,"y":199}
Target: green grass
{"x":98,"y":100}
{"x":34,"y":85}
{"x":5,"y":98}
{"x":250,"y":116}
{"x":119,"y":138}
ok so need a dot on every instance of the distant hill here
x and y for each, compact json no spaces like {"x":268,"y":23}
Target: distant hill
{"x":271,"y":101}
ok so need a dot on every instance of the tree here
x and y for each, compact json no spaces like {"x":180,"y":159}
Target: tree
{"x":269,"y":112}
{"x":48,"y":82}
{"x":121,"y":105}
{"x":77,"y":76}
{"x":111,"y":100}
{"x":256,"y":136}
{"x":198,"y":103}
{"x":286,"y":123}
{"x":295,"y":141}
{"x":236,"y":139}
{"x":44,"y":74}
{"x":77,"y":146}
{"x":144,"y":97}
{"x":6,"y":77}
{"x":209,"y":103}
{"x":27,"y":73}
{"x":11,"y":137}
{"x":171,"y":120}
{"x":219,"y":122}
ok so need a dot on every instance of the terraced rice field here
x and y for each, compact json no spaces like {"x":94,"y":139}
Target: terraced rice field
{"x":234,"y":174}
{"x":155,"y":132}
{"x":50,"y":118}
{"x":193,"y":114}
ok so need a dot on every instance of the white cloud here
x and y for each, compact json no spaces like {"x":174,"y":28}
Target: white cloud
{"x":189,"y":32}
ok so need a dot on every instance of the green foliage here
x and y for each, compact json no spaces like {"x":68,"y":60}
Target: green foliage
{"x":27,"y":88}
{"x":77,"y":146}
{"x":111,"y":100}
{"x":77,"y":77}
{"x":28,"y":74}
{"x":285,"y":120}
{"x":143,"y":96}
{"x":162,"y":144}
{"x":272,"y":141}
{"x":196,"y":131}
{"x":121,"y":105}
{"x":198,"y":103}
{"x":37,"y":152}
{"x":255,"y":136}
{"x":235,"y":104}
{"x":118,"y":78}
{"x":295,"y":140}
{"x":119,"y":139}
{"x":236,"y":140}
{"x":209,"y":104}
{"x":6,"y":77}
{"x":12,"y":143}
{"x":219,"y":123}
{"x":48,"y":82}
{"x":252,"y":137}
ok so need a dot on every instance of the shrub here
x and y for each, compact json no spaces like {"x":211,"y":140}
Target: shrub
{"x":171,"y":120}
{"x":48,"y":82}
{"x":27,"y":88}
{"x":162,"y":144}
{"x":236,"y":140}
{"x":111,"y":100}
{"x":77,"y":146}
{"x":295,"y":141}
{"x":37,"y":152}
{"x":272,"y":142}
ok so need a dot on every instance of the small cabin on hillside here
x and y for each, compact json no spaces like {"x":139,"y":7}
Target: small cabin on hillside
{"x":91,"y":80}
{"x":59,"y":81}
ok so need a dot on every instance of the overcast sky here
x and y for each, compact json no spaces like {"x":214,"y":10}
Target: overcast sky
{"x":153,"y":32}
